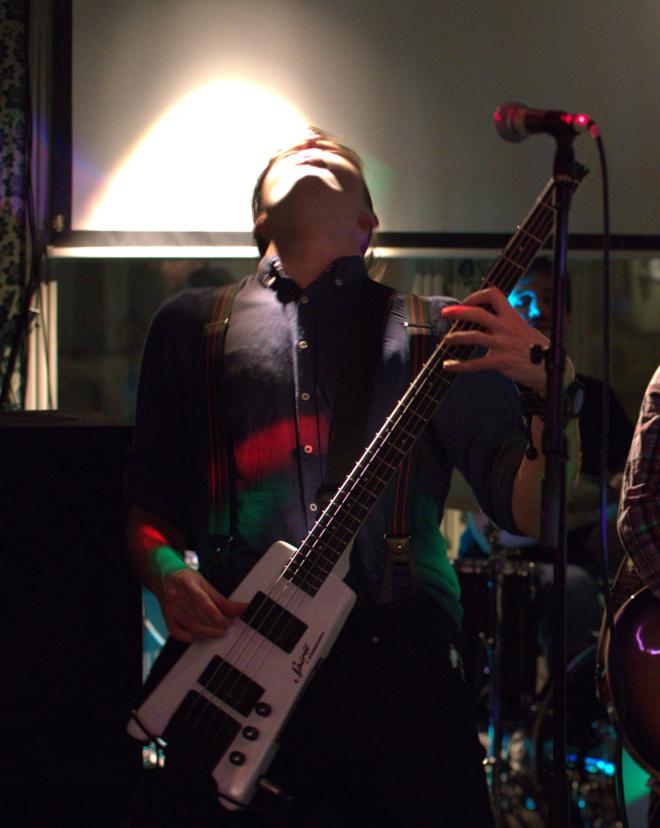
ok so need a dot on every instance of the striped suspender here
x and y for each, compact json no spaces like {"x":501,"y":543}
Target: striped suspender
{"x":399,"y":529}
{"x":215,"y":332}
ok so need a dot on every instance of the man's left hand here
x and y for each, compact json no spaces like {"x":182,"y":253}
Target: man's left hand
{"x":506,"y":336}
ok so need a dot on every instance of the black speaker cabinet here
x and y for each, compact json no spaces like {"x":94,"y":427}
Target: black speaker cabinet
{"x":71,"y":630}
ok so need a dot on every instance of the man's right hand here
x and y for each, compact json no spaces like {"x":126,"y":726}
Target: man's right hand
{"x":193,"y":608}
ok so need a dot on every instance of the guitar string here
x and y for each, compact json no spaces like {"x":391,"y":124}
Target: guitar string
{"x":489,"y":280}
{"x":323,"y":527}
{"x":503,"y":260}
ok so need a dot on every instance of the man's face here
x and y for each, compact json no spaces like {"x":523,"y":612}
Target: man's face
{"x":313,"y":170}
{"x":532,"y":298}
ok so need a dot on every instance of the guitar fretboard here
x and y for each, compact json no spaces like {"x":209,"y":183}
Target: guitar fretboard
{"x":338,"y":524}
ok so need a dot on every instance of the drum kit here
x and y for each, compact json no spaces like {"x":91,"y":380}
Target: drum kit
{"x":512,"y":694}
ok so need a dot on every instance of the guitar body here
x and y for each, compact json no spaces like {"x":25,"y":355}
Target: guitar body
{"x":225,"y":701}
{"x":634,"y":672}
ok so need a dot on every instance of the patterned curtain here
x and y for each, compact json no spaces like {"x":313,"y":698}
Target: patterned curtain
{"x":13,"y":132}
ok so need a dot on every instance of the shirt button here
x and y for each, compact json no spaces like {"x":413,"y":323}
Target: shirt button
{"x":339,"y":281}
{"x":305,"y":396}
{"x":313,"y":507}
{"x":309,"y":449}
{"x":303,"y":344}
{"x":304,"y":300}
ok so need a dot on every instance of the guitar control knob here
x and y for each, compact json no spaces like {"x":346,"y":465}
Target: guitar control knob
{"x":250,"y":733}
{"x":237,"y":758}
{"x":263,"y":709}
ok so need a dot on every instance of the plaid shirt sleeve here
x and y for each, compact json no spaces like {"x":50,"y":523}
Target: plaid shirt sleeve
{"x":639,"y":509}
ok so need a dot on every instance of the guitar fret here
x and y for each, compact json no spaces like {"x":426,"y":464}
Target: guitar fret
{"x":318,"y":569}
{"x":367,"y":495}
{"x":307,"y":582}
{"x":392,"y":466}
{"x":321,"y":554}
{"x":513,"y":262}
{"x":353,"y":520}
{"x":529,"y":235}
{"x":383,"y":480}
{"x":417,"y":416}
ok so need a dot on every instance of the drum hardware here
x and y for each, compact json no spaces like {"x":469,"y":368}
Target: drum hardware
{"x":494,"y":649}
{"x":499,"y":644}
{"x":591,"y":746}
{"x":519,"y":743}
{"x":517,"y":632}
{"x":515,"y":798}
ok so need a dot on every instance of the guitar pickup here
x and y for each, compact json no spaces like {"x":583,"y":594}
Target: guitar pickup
{"x":199,"y":734}
{"x":274,"y":622}
{"x":231,"y":686}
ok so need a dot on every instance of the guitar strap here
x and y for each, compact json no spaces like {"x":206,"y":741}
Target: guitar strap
{"x":399,"y":530}
{"x":360,"y":358}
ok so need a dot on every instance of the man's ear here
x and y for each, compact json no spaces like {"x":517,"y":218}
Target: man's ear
{"x":261,"y":231}
{"x":261,"y":227}
{"x":366,"y":222}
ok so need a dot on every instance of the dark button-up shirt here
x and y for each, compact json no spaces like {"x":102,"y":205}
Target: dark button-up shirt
{"x":282,"y":357}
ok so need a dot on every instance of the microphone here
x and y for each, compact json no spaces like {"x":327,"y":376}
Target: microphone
{"x":515,"y":121}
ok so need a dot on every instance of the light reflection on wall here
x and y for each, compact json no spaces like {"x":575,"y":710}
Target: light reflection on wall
{"x":203,"y":154}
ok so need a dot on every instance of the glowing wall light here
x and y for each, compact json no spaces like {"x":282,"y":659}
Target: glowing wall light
{"x":194,"y":169}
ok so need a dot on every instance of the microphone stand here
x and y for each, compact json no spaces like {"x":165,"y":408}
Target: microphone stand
{"x":553,"y":517}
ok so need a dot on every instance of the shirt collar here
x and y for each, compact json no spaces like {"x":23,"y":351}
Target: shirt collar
{"x":343,"y":271}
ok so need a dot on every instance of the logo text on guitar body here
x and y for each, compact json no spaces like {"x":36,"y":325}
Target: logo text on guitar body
{"x":306,"y":655}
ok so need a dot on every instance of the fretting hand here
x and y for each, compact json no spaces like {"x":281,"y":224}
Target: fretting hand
{"x":507,"y":338}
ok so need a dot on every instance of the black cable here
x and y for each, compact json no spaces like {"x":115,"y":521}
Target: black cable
{"x":618,"y":714}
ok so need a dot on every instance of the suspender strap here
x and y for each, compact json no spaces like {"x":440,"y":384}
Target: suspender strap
{"x":360,"y":358}
{"x":399,"y":530}
{"x":215,"y":332}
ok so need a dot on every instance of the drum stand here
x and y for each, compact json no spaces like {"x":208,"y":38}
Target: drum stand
{"x":494,"y":649}
{"x":497,"y":766}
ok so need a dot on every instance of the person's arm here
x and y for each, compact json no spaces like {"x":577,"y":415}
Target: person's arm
{"x":526,"y":497}
{"x":507,"y":339}
{"x":160,"y":484}
{"x":191,"y":606}
{"x":639,"y":511}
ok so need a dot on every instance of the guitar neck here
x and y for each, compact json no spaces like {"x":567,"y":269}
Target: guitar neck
{"x":338,"y":524}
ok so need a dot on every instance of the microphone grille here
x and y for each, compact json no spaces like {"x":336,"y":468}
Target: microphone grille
{"x":509,"y":121}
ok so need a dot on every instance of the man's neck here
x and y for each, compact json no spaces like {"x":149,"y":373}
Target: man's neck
{"x":304,"y":260}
